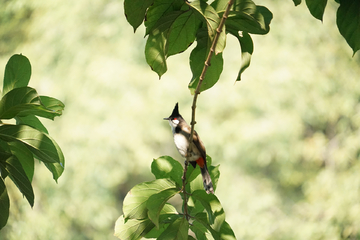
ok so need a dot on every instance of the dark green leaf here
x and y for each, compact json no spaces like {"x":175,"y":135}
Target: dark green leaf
{"x":167,"y":167}
{"x":23,"y":102}
{"x":297,"y":2}
{"x":17,"y":73}
{"x":168,"y":215}
{"x":40,"y":144}
{"x":18,"y":176}
{"x":248,"y":17}
{"x":157,"y":201}
{"x":348,"y":22}
{"x":201,"y":232}
{"x":132,"y":229}
{"x":24,"y":155}
{"x":4,"y":204}
{"x":201,"y":221}
{"x":159,"y":10}
{"x":226,"y":233}
{"x":197,"y":61}
{"x":135,"y":11}
{"x":316,"y":8}
{"x":247,"y":49}
{"x":136,"y":199}
{"x":178,"y":230}
{"x":32,"y":121}
{"x":213,"y":208}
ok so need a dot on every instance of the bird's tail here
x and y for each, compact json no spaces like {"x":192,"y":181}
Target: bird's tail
{"x":208,"y":186}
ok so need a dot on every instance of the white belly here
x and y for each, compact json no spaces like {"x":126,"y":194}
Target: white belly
{"x":182,"y":144}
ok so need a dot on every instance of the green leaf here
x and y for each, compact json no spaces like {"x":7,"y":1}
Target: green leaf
{"x":216,"y":214}
{"x":226,"y":233}
{"x":23,"y":102}
{"x":17,"y":73}
{"x":136,"y":199}
{"x":247,"y":48}
{"x":52,"y":103}
{"x":182,"y":32}
{"x":197,"y":61}
{"x":155,"y":52}
{"x":135,"y":11}
{"x":201,"y":221}
{"x":157,"y":201}
{"x":167,"y":167}
{"x":248,"y":17}
{"x":297,"y":2}
{"x":40,"y":144}
{"x":18,"y":176}
{"x":132,"y":229}
{"x":316,"y":8}
{"x":178,"y":230}
{"x":157,"y":12}
{"x":24,"y":155}
{"x":4,"y":204}
{"x":201,"y":232}
{"x":31,"y":121}
{"x":348,"y":22}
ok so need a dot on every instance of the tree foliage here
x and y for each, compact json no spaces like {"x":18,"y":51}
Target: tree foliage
{"x":28,"y":138}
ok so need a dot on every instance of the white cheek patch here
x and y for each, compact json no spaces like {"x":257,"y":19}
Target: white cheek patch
{"x":176,"y":121}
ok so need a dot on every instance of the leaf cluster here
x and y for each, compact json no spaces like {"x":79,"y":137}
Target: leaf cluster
{"x":347,"y":18}
{"x":147,"y":212}
{"x":27,"y":138}
{"x":173,"y":25}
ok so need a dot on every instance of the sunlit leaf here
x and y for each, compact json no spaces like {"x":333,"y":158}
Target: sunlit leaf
{"x":155,"y":52}
{"x":177,"y":230}
{"x":25,"y":157}
{"x":18,"y":176}
{"x":132,"y":229}
{"x":25,"y":101}
{"x":52,"y":103}
{"x":167,"y":167}
{"x":316,"y":8}
{"x":213,"y":208}
{"x":197,"y":61}
{"x":32,"y":121}
{"x":348,"y":22}
{"x":226,"y":233}
{"x":157,"y":201}
{"x":135,"y":11}
{"x":135,"y":201}
{"x":17,"y":73}
{"x":4,"y":204}
{"x":39,"y":143}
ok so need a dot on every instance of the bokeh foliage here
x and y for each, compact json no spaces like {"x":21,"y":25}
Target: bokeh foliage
{"x":286,"y":137}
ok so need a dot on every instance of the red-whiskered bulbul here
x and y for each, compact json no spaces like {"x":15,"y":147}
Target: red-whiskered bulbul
{"x":181,"y":131}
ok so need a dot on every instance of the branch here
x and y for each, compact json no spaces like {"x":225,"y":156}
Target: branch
{"x":206,"y":65}
{"x":197,"y":92}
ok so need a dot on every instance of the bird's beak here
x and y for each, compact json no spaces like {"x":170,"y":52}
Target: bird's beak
{"x":166,"y":118}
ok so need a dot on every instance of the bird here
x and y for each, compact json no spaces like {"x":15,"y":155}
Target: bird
{"x":181,"y":132}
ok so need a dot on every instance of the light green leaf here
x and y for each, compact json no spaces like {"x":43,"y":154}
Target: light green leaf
{"x":201,"y":221}
{"x":177,"y":230}
{"x":135,"y":11}
{"x":201,"y":232}
{"x":39,"y":143}
{"x":157,"y":201}
{"x":52,"y":103}
{"x":24,"y":155}
{"x":197,"y":61}
{"x":155,"y":52}
{"x":4,"y":204}
{"x":132,"y":229}
{"x":31,"y":121}
{"x":136,"y":199}
{"x":17,"y":73}
{"x":167,"y":167}
{"x":213,"y":208}
{"x":23,"y":102}
{"x":18,"y":176}
{"x":348,"y":22}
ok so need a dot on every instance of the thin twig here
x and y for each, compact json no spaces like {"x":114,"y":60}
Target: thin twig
{"x":197,"y":92}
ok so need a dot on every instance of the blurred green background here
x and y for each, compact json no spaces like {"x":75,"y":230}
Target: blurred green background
{"x":287,"y":137}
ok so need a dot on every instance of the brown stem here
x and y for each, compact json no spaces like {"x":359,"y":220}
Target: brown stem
{"x":197,"y":92}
